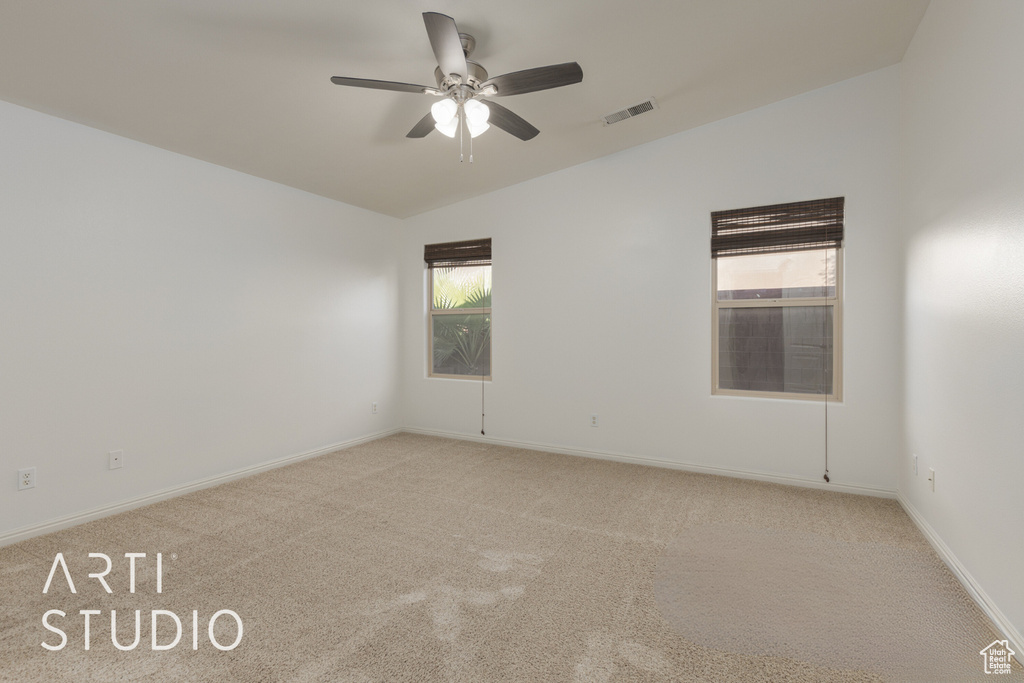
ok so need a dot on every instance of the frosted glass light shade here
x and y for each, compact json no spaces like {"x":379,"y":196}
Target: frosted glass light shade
{"x":443,"y":112}
{"x":448,"y":128}
{"x":476,"y":128}
{"x":477,"y":112}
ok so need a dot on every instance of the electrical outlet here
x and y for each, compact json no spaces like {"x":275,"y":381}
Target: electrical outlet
{"x":116,"y":460}
{"x":593,"y":420}
{"x":373,"y":408}
{"x":27,"y":478}
{"x":931,"y":478}
{"x":915,"y":464}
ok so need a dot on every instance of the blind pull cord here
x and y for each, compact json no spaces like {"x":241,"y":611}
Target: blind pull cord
{"x":483,"y":319}
{"x":824,"y":323}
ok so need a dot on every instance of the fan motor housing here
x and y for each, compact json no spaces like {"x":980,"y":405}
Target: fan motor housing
{"x":477,"y":75}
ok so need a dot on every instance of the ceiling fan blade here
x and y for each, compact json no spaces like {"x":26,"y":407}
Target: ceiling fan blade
{"x":447,"y":46}
{"x":541,"y":78}
{"x":420,"y":130}
{"x":510,"y":122}
{"x":382,"y":85}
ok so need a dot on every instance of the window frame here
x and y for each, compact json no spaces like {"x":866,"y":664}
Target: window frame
{"x":835,"y":301}
{"x":431,"y":312}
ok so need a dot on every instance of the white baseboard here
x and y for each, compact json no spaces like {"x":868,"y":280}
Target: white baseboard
{"x":972,"y":587}
{"x":670,"y":464}
{"x":121,"y":506}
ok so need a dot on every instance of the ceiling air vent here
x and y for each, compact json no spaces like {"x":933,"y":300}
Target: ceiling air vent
{"x":629,"y":112}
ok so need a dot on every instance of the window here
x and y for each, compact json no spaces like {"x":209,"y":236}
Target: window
{"x":459,"y":296}
{"x":777,"y":284}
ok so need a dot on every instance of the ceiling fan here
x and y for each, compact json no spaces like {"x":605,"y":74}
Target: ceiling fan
{"x":462,"y":84}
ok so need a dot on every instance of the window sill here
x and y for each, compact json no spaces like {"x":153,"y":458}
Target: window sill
{"x":462,"y":378}
{"x":775,"y":396}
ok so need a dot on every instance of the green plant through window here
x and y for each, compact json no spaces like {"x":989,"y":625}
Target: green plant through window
{"x":460,"y":321}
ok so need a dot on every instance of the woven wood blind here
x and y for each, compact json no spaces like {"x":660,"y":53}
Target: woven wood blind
{"x":468,"y":253}
{"x":797,"y":226}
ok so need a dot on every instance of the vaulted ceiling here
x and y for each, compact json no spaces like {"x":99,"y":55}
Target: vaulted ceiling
{"x":245,"y":83}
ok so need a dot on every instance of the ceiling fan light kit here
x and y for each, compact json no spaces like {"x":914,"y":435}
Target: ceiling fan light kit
{"x":462,"y":83}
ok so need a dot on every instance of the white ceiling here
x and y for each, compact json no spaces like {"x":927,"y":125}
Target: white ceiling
{"x":245,"y":83}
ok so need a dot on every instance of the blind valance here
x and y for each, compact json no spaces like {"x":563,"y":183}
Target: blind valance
{"x":467,"y":253}
{"x":797,"y":226}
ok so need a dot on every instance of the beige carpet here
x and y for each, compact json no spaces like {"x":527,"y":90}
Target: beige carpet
{"x":414,"y":558}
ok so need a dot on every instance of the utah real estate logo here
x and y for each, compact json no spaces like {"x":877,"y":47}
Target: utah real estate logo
{"x":997,"y":657}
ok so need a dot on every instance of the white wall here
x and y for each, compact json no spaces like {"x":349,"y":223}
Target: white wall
{"x":602,"y":295}
{"x":963,"y":218}
{"x":200,"y":319}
